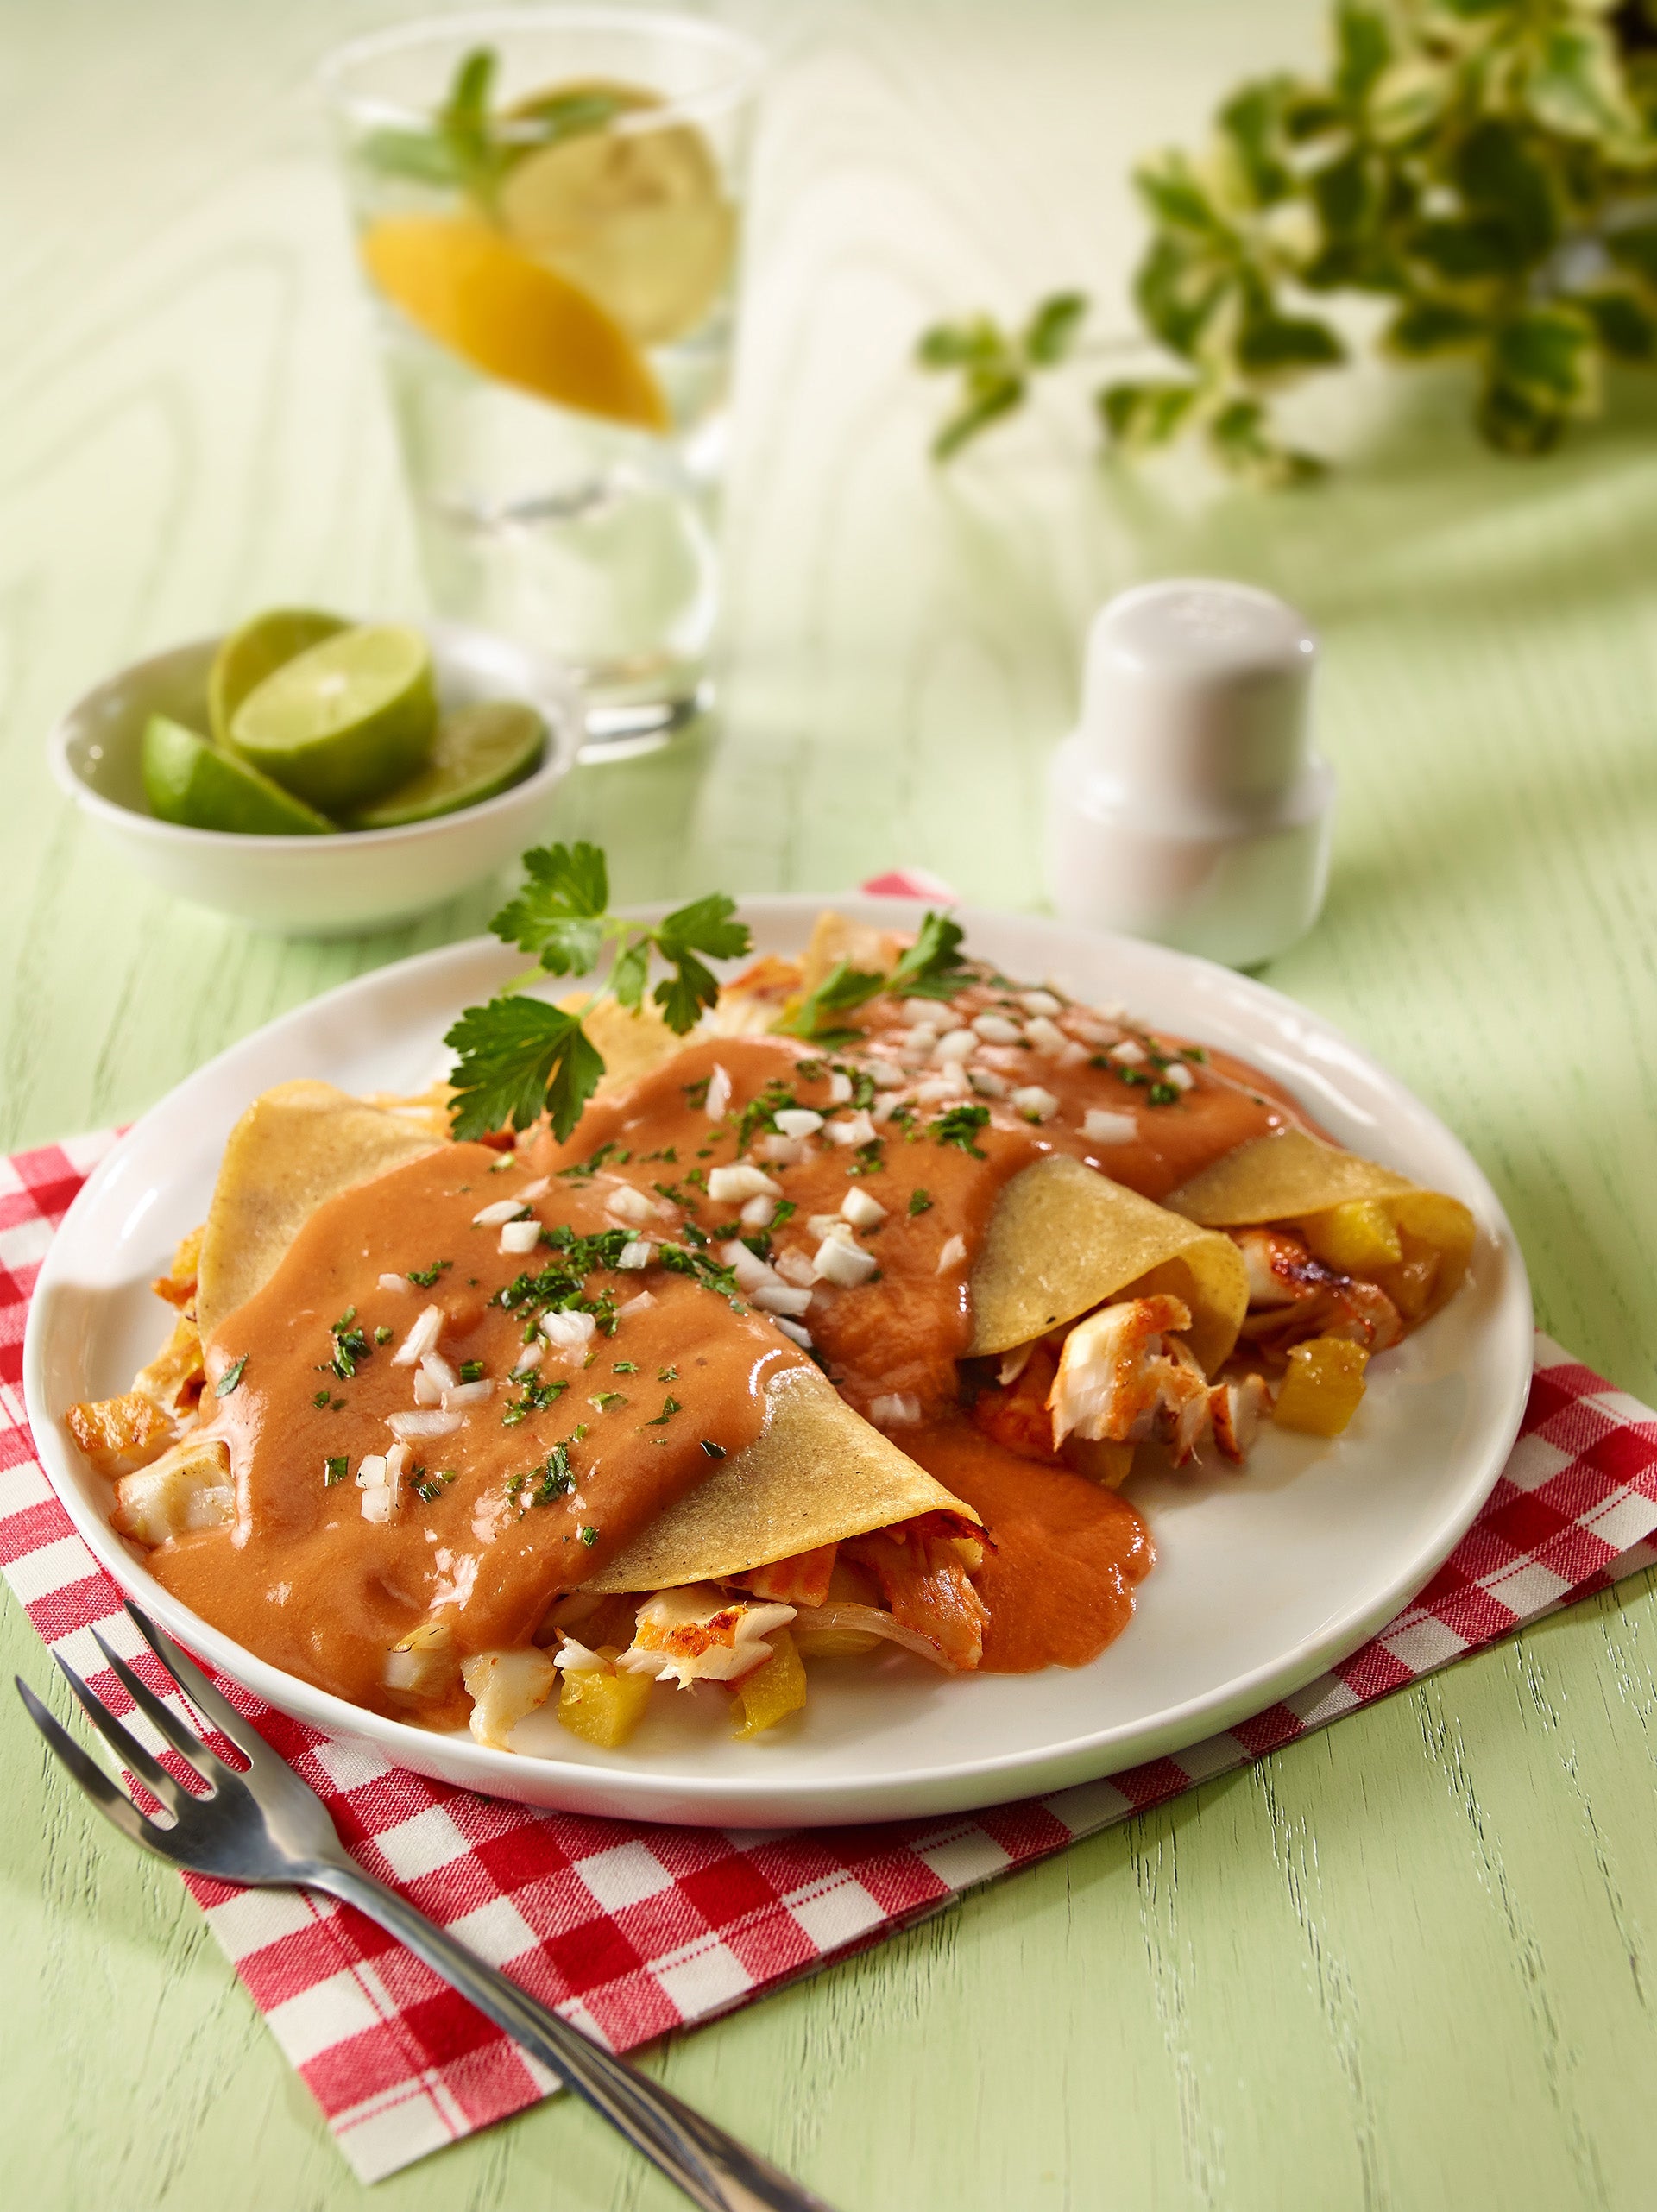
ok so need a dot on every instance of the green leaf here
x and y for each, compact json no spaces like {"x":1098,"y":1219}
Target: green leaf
{"x":464,"y":122}
{"x":705,"y":926}
{"x":1575,"y":85}
{"x":1546,"y":355}
{"x":1249,"y":123}
{"x":558,"y":915}
{"x":1272,"y":345}
{"x":843,"y":988}
{"x":1179,"y":292}
{"x":1501,"y":176}
{"x":929,"y":969}
{"x":1363,"y":49}
{"x":1423,"y":328}
{"x":1142,"y":416}
{"x":422,"y":155}
{"x":517,"y":1057}
{"x":1465,"y":251}
{"x":1625,"y":326}
{"x":1345,"y":194}
{"x":1409,"y":99}
{"x":1635,"y":248}
{"x":1513,"y":424}
{"x":682,"y":995}
{"x":631,"y":973}
{"x":1054,"y":328}
{"x":978,"y":343}
{"x":1174,"y":197}
{"x":1242,"y":442}
{"x":986,"y":401}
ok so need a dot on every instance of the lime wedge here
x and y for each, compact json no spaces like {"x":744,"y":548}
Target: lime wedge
{"x":478,"y":752}
{"x":346,"y":721}
{"x":188,"y":781}
{"x":258,"y":649}
{"x":637,"y":218}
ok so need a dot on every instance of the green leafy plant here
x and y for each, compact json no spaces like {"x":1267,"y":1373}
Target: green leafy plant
{"x":519,"y":1057}
{"x":1488,"y":168}
{"x":470,"y":147}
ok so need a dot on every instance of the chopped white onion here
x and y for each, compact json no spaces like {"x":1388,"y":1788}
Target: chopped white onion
{"x":759,"y":1212}
{"x":407,"y":1425}
{"x":719,"y":1093}
{"x":996,"y":1029}
{"x":840,"y":1261}
{"x":641,"y":1304}
{"x":538,"y":1188}
{"x":897,"y":1409}
{"x":1047,"y":1037}
{"x":799,"y":1121}
{"x":851,"y":1129}
{"x":781,"y":1152}
{"x":1179,"y":1075}
{"x":371,"y":1471}
{"x":795,"y":1267}
{"x":376,"y":1505}
{"x":1073,"y":1055}
{"x":1101,"y":1126}
{"x":632,"y":1205}
{"x":883,"y":1075}
{"x":1034,"y":1103}
{"x":438,"y":1368}
{"x":637,"y":1252}
{"x":839,"y":1088}
{"x":1128,"y":1052}
{"x":399,"y":1282}
{"x":958,"y":1045}
{"x":428,"y":1392}
{"x":987,"y":1083}
{"x":885,"y":1106}
{"x":801,"y":1336}
{"x":925,"y":1009}
{"x":861,"y":1208}
{"x":500,"y":1209}
{"x":828,"y":1224}
{"x":421,"y":1339}
{"x":520,"y":1237}
{"x":1040,"y":1002}
{"x":749,"y":1269}
{"x":727,"y":1183}
{"x":782,"y":1298}
{"x":568,"y":1332}
{"x":952,"y":1255}
{"x":467,"y":1394}
{"x":936,"y":1089}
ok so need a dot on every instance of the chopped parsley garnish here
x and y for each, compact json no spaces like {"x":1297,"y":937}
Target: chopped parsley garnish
{"x":335,"y":1469}
{"x":228,"y":1380}
{"x":382,"y":1334}
{"x":1197,"y":1052}
{"x":1164,"y":1094}
{"x":591,"y":1165}
{"x":667,"y":1375}
{"x":320,"y":1400}
{"x":862,"y":1085}
{"x":679,"y":1260}
{"x":344,"y":1320}
{"x":425,"y":1276}
{"x":785,"y":1210}
{"x":811,"y":1071}
{"x":713,"y":1451}
{"x":625,"y":1367}
{"x":929,"y":969}
{"x":669,"y":1407}
{"x":554,"y":1479}
{"x":425,"y":1487}
{"x":588,"y":1536}
{"x":696,"y":1093}
{"x":349,"y":1345}
{"x":920,"y":1202}
{"x":958,"y":1126}
{"x":761,"y":1112}
{"x":697,"y":1178}
{"x":536,"y":1396}
{"x":868,"y":1159}
{"x":471,"y":1371}
{"x":602,"y":1401}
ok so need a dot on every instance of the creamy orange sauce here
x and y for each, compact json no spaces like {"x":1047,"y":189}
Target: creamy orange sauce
{"x":482,"y":1537}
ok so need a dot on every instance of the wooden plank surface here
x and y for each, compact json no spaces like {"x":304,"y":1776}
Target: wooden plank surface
{"x":1406,"y":1964}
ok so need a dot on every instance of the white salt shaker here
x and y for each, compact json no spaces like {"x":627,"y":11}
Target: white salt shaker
{"x":1188,"y":806}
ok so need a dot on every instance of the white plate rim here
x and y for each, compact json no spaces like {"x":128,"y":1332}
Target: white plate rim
{"x":617,"y":1793}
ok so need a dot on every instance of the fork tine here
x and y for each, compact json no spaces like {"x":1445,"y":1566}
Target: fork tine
{"x":208,"y":1700}
{"x":123,"y":1742}
{"x":179,"y":1734}
{"x":117,"y":1807}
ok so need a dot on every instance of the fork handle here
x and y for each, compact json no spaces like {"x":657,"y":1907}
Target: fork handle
{"x":713,"y":2169}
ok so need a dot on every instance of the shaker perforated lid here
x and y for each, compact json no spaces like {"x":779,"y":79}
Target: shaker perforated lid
{"x":1197,"y":692}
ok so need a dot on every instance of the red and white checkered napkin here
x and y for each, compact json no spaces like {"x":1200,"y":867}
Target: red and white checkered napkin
{"x":632,"y":1930}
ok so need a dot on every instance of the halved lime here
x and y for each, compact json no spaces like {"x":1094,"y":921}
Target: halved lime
{"x":258,"y":649}
{"x":479,"y":752}
{"x":189,"y":781}
{"x":344,"y":722}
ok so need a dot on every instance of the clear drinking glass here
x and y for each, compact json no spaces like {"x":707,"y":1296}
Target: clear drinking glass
{"x":550,"y":236}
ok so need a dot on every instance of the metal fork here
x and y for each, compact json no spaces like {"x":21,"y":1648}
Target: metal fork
{"x":268,"y":1829}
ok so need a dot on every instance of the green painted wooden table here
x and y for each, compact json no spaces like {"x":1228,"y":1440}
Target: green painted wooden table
{"x":1409,"y":1963}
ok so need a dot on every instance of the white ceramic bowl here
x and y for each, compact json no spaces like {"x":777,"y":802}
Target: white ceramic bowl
{"x":312,"y":887}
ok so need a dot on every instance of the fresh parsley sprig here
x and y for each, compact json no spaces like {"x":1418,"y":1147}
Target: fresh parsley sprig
{"x":929,"y":969}
{"x":519,"y":1057}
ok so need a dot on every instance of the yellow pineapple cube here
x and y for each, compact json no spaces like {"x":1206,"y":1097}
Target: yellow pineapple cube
{"x":1102,"y":1462}
{"x":771,"y":1692}
{"x":1323,"y":1387}
{"x":1356,"y":1237}
{"x":604,"y":1707}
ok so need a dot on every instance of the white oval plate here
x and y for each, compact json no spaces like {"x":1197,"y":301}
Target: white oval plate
{"x":1263,"y":1580}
